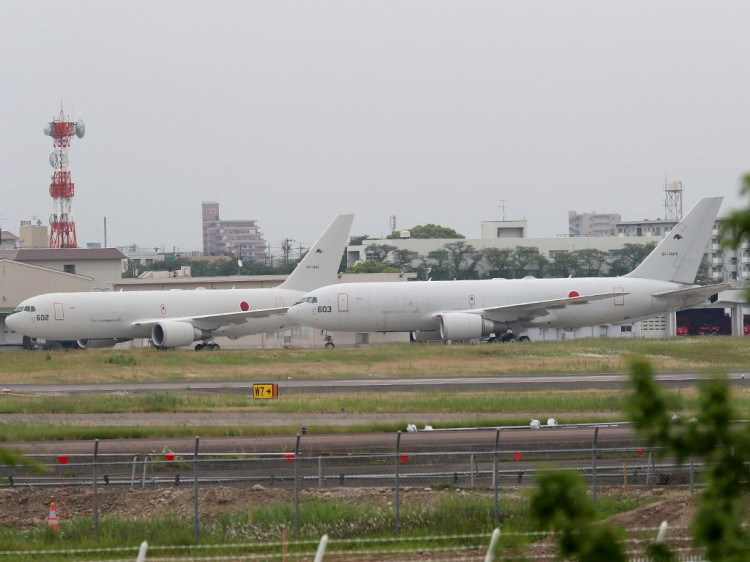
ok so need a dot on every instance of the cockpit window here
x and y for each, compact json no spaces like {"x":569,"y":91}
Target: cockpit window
{"x":26,"y":308}
{"x":308,"y":299}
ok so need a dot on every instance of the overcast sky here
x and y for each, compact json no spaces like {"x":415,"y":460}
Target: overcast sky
{"x":290,"y":112}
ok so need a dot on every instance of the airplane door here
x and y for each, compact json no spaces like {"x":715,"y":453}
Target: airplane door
{"x":343,"y":302}
{"x":620,"y":299}
{"x":59,"y":312}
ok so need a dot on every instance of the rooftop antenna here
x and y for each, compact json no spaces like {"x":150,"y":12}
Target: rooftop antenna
{"x":501,"y":205}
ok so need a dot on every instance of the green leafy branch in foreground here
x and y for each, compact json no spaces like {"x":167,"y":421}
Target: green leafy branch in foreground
{"x":718,"y":525}
{"x":559,"y":502}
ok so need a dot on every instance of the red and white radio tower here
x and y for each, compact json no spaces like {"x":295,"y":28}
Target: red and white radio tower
{"x":62,"y":228}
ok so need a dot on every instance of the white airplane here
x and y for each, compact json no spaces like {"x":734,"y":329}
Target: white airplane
{"x":178,"y":318}
{"x":461,"y":310}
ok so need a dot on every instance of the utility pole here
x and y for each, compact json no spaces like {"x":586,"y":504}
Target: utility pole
{"x":286,"y":248}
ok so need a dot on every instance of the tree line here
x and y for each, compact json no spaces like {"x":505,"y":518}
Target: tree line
{"x":210,"y":268}
{"x":454,"y":260}
{"x":461,"y":260}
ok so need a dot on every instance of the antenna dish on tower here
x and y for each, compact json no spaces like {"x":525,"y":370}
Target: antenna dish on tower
{"x":80,"y":127}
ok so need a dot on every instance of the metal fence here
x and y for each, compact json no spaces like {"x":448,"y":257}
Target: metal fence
{"x":491,"y":468}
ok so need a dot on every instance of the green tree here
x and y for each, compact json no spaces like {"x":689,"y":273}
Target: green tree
{"x":212,"y":267}
{"x":379,"y":252}
{"x":463,"y":260}
{"x":498,"y":261}
{"x":719,"y":524}
{"x":430,"y":231}
{"x":628,"y":258}
{"x":371,"y":266}
{"x":564,"y":264}
{"x":591,"y":261}
{"x":358,"y":240}
{"x":437,"y":264}
{"x":402,"y":259}
{"x":559,"y":504}
{"x":525,"y":260}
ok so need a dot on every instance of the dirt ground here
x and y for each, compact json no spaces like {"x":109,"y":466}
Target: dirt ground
{"x":29,"y":508}
{"x":26,"y":508}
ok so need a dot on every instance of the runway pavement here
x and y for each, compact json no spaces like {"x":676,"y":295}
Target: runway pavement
{"x":291,"y":386}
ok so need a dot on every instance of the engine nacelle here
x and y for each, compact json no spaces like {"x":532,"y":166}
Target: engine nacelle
{"x":98,"y":344}
{"x":424,"y":335}
{"x":175,"y":334}
{"x":465,"y":326}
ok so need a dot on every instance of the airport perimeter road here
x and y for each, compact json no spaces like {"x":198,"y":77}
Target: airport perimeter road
{"x":290,"y":386}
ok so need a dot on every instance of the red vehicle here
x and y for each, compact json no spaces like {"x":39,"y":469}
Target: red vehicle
{"x":707,"y":323}
{"x":708,"y":328}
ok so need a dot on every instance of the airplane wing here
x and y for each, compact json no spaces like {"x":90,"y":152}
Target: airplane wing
{"x":213,"y":321}
{"x":526,"y":311}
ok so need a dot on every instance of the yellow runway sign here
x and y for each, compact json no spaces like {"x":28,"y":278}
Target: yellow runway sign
{"x":265,"y":391}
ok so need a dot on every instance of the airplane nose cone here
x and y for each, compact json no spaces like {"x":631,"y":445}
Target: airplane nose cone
{"x":293,"y":312}
{"x":12,"y":322}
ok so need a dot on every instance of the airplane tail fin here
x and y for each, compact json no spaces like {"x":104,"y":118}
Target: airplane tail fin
{"x":320,"y":265}
{"x":678,"y":256}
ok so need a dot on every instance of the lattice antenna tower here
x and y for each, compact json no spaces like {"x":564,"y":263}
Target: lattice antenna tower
{"x":673,"y":201}
{"x":392,"y":221}
{"x":62,"y":189}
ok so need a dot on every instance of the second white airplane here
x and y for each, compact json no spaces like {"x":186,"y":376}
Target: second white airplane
{"x":462,"y":310}
{"x":178,"y":318}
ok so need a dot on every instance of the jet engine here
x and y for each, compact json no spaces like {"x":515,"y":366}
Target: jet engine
{"x":98,"y":344}
{"x":176,"y":334}
{"x":465,"y":326}
{"x":424,"y":335}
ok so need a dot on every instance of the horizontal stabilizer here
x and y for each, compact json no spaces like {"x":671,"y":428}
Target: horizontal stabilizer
{"x":690,"y":296}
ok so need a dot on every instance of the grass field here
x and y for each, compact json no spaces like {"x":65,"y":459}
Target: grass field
{"x":343,"y":520}
{"x":701,"y":354}
{"x":705,"y":355}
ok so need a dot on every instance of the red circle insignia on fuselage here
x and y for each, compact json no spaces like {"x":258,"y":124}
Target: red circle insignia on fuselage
{"x":572,"y":294}
{"x":244,"y":307}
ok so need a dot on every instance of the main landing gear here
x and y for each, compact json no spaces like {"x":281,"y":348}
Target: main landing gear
{"x":209,"y":346}
{"x":329,"y":342}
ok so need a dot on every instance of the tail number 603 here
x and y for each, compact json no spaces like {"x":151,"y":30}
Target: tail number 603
{"x":324,"y":309}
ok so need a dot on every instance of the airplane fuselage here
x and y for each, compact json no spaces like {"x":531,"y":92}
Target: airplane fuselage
{"x":409,"y":306}
{"x":122,"y":315}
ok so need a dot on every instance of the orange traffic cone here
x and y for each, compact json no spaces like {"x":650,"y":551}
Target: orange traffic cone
{"x":52,"y":522}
